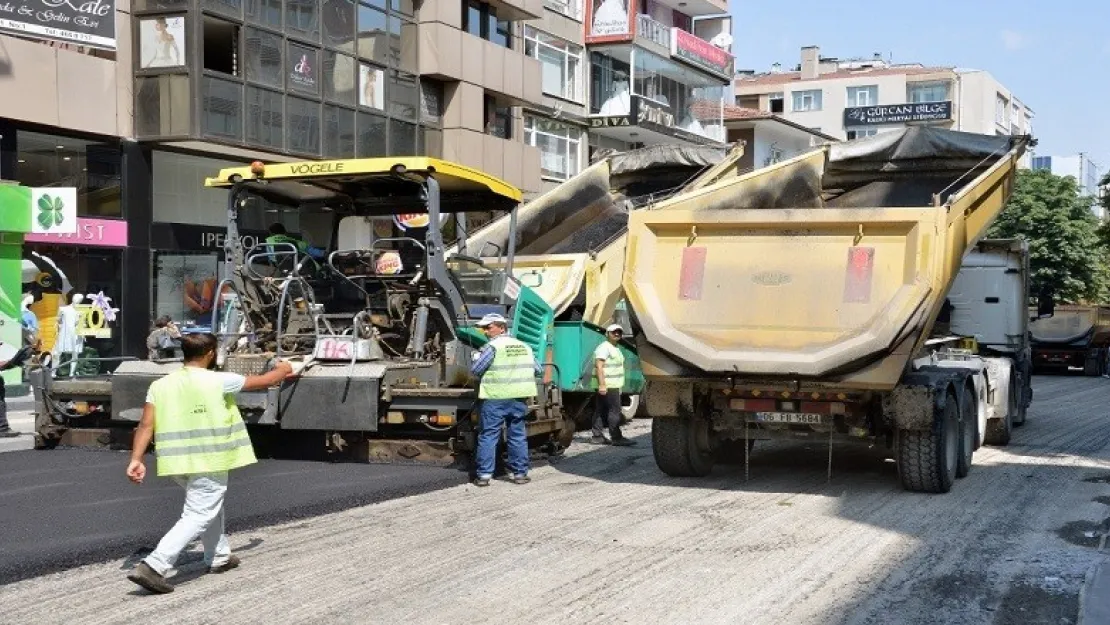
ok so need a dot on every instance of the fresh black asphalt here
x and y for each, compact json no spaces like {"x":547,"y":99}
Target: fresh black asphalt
{"x":70,"y":507}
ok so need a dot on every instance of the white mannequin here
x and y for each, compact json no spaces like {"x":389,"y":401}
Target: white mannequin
{"x":68,"y":341}
{"x":619,"y":103}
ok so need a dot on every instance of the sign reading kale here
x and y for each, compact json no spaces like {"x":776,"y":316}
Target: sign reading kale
{"x":897,"y":113}
{"x":86,"y":22}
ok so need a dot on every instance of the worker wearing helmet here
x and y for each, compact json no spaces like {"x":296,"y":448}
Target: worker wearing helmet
{"x":508,"y":371}
{"x":609,"y":368}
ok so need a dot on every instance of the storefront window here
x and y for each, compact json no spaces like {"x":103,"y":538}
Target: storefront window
{"x":610,"y":92}
{"x":93,"y":167}
{"x":185,"y":287}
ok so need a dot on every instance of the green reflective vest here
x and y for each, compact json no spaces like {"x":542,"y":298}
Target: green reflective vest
{"x":614,"y":364}
{"x":197,"y":428}
{"x":513,"y":372}
{"x":284,"y":238}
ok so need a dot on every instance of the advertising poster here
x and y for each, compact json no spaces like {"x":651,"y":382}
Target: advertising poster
{"x":161,"y":42}
{"x":371,"y":92}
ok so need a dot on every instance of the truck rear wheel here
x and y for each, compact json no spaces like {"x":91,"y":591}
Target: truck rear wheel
{"x":927,"y":458}
{"x":682,"y":447}
{"x":999,"y":431}
{"x":969,"y":431}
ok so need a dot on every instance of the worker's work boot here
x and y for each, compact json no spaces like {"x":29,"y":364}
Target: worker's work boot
{"x":481,"y":481}
{"x":623,"y":442}
{"x":520,"y":478}
{"x":150,"y":579}
{"x":599,"y":440}
{"x":232,"y":563}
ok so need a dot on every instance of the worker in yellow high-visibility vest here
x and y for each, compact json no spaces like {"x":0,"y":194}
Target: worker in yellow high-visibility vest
{"x":508,"y":371}
{"x":609,"y":368}
{"x":199,"y":436}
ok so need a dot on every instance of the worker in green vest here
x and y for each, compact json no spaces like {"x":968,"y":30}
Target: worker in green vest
{"x":508,"y":371}
{"x":199,"y":436}
{"x":278,"y":234}
{"x":609,"y":369}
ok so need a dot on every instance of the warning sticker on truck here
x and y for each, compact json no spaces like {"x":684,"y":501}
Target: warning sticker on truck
{"x":860,"y":271}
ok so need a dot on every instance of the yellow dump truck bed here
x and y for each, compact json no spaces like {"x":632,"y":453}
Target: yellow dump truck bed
{"x":1072,"y":323}
{"x":570,"y":240}
{"x":829,"y":267}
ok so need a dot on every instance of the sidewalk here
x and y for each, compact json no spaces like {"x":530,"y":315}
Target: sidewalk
{"x":21,"y":417}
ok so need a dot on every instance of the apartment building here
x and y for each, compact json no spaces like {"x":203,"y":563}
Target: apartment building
{"x":659,"y":71}
{"x":852,"y":98}
{"x":1085,"y":171}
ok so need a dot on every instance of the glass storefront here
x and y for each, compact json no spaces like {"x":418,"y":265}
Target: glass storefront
{"x":695,"y":101}
{"x":93,"y":167}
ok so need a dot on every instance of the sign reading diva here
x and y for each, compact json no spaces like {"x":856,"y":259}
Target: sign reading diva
{"x":897,"y":113}
{"x":85,"y":22}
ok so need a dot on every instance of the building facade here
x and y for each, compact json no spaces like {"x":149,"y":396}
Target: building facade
{"x":856,"y":98}
{"x":1086,"y":172}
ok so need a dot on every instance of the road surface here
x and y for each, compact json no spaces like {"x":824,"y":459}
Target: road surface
{"x":602,"y":537}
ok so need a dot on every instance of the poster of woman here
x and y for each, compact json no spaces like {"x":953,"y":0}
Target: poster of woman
{"x":162,"y":42}
{"x":610,"y":17}
{"x":371,"y":91}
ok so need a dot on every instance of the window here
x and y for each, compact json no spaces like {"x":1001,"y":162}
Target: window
{"x":303,"y":127}
{"x":609,"y":79}
{"x":1002,"y":110}
{"x":431,"y":102}
{"x":558,"y":144}
{"x":220,"y":49}
{"x":859,"y":133}
{"x":94,"y":168}
{"x":222,"y":108}
{"x":480,"y":19}
{"x":499,"y":119}
{"x":569,"y":8}
{"x":264,"y":118}
{"x":862,"y":96}
{"x":339,"y":132}
{"x":263,"y":57}
{"x":302,"y":19}
{"x":371,"y":135}
{"x":403,"y":95}
{"x":927,"y":92}
{"x":373,"y":36}
{"x":1042,"y":162}
{"x":264,"y":12}
{"x":775,"y":103}
{"x":561,"y":60}
{"x":339,"y":77}
{"x":806,"y":100}
{"x":338,"y":17}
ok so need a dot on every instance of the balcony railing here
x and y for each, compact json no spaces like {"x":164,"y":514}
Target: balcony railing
{"x":653,"y":31}
{"x":569,"y":8}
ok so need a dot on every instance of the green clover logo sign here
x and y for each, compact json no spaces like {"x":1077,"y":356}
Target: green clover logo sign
{"x":51,"y":211}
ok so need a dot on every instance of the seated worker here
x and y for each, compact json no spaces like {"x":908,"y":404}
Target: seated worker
{"x":278,"y":234}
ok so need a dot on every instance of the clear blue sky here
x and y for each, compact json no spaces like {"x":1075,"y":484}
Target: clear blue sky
{"x":1054,"y":56}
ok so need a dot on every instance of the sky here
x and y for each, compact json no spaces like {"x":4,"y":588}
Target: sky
{"x":1054,"y":56}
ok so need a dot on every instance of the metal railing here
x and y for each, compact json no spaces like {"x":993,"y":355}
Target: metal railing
{"x":653,"y":31}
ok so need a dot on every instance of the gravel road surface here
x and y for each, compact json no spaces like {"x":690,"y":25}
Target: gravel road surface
{"x":601,"y":536}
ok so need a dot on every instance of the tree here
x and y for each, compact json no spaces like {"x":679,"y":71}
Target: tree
{"x":1067,"y":251}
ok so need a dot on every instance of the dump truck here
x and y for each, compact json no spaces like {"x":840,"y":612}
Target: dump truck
{"x":570,"y":250}
{"x":1075,"y":337}
{"x":383,"y":318}
{"x":799,"y":302}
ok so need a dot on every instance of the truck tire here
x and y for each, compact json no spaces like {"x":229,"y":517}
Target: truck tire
{"x":630,"y":407}
{"x":999,"y":432}
{"x":679,"y":446}
{"x":969,"y":431}
{"x":1091,"y":367}
{"x":927,"y":458}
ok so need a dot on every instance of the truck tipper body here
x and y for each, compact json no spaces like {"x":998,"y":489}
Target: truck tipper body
{"x":1075,"y":337}
{"x":570,"y":250}
{"x":799,"y":302}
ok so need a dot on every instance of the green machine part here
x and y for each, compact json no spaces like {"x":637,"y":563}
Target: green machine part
{"x":575,"y":342}
{"x":532,"y":323}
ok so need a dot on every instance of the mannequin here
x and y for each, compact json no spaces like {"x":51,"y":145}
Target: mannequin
{"x":68,"y":341}
{"x":619,"y":103}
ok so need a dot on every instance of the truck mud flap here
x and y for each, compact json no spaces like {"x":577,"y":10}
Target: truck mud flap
{"x":918,"y":398}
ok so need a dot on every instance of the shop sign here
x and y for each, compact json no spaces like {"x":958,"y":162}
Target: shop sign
{"x":302,"y":74}
{"x":195,"y":238}
{"x":897,"y":113}
{"x":411,"y":220}
{"x":651,"y":116}
{"x":45,"y":210}
{"x":85,"y":22}
{"x":700,"y":53}
{"x":91,"y":232}
{"x":609,"y":20}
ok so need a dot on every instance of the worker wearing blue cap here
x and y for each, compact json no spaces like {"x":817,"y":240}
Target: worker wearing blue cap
{"x":508,"y":371}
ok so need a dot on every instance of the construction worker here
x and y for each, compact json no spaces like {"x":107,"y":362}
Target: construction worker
{"x":508,"y":371}
{"x":199,"y":436}
{"x":278,"y":234}
{"x":609,"y":369}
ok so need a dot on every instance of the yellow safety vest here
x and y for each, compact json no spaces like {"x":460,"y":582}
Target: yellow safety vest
{"x":197,"y":428}
{"x":513,"y":372}
{"x":614,"y":364}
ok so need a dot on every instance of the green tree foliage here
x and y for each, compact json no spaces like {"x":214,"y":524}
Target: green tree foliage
{"x":1067,"y":250}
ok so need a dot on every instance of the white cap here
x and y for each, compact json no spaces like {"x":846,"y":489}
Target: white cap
{"x":615,"y":327}
{"x":491,"y":319}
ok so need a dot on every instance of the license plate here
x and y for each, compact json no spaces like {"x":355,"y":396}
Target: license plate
{"x":803,"y":418}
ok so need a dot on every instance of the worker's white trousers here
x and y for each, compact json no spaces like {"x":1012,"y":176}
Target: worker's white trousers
{"x":203,"y":516}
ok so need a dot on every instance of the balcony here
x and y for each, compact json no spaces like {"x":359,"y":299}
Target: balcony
{"x":651,"y":32}
{"x":697,"y":8}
